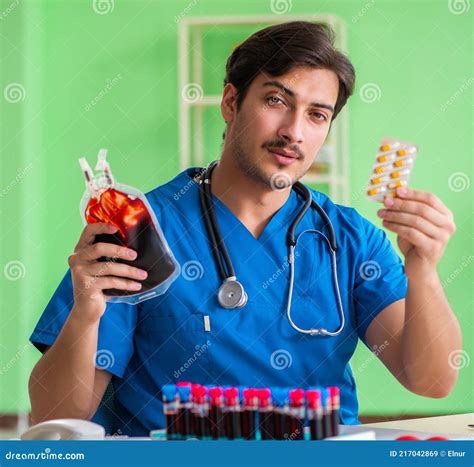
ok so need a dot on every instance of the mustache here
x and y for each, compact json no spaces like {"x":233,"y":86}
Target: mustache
{"x":283,"y":145}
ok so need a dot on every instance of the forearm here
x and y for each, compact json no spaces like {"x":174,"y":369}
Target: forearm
{"x":62,"y":382}
{"x":430,"y":334}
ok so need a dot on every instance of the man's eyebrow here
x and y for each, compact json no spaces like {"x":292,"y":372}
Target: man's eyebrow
{"x":288,"y":91}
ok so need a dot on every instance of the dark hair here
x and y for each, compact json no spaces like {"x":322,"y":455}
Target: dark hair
{"x":277,"y":49}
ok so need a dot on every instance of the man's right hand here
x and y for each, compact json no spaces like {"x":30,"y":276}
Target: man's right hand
{"x":90,"y":276}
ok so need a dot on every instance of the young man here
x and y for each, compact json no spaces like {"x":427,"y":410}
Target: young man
{"x":284,"y":86}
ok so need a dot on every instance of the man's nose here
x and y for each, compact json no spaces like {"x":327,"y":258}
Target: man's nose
{"x":292,"y":129}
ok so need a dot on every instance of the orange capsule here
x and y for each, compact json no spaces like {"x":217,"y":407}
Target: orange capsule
{"x":379,"y":170}
{"x":376,"y":191}
{"x":385,"y":147}
{"x":382,"y":158}
{"x":406,"y":151}
{"x":396,"y":184}
{"x":398,"y":163}
{"x":376,"y":180}
{"x":395,"y":174}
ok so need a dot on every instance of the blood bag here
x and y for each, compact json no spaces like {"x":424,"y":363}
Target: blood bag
{"x":138,"y":229}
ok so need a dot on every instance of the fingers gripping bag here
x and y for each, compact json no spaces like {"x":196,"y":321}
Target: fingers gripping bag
{"x":128,"y":209}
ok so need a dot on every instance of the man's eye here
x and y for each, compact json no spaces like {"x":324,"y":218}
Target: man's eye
{"x":321,"y":117}
{"x":273,"y":100}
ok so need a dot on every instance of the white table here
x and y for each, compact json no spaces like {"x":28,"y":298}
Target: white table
{"x":450,"y":426}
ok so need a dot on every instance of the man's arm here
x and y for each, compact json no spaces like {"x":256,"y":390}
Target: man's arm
{"x":418,"y":335}
{"x":65,"y":383}
{"x":414,"y":341}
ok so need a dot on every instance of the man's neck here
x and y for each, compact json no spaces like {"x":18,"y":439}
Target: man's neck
{"x":252,"y":202}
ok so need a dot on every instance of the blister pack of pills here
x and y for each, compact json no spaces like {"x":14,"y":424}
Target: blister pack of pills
{"x":392,"y":169}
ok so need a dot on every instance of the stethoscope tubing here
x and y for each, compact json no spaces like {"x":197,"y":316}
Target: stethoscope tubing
{"x":220,"y":252}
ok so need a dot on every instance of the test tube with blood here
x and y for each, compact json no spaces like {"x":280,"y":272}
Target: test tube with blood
{"x":276,"y":432}
{"x":232,"y":413}
{"x":326,"y":404}
{"x":249,"y":413}
{"x":334,"y":399}
{"x":216,"y":414}
{"x":285,"y":414}
{"x":184,"y":412}
{"x":170,"y":409}
{"x":297,"y":413}
{"x":200,"y":411}
{"x":315,"y":413}
{"x":265,"y":412}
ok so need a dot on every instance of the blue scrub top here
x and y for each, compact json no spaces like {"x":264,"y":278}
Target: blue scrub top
{"x":165,"y":339}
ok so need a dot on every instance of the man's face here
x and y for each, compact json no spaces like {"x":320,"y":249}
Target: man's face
{"x":290,"y":113}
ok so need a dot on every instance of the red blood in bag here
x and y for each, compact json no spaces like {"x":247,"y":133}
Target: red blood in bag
{"x":136,"y":231}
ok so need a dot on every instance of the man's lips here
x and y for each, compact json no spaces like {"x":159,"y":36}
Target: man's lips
{"x":284,"y":153}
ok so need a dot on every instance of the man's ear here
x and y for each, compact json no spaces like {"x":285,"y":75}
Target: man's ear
{"x":229,"y":102}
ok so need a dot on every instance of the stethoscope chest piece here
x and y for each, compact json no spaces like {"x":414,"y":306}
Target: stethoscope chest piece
{"x":231,"y":294}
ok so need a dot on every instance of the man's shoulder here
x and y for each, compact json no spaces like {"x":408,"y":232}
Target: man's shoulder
{"x":347,"y":219}
{"x":173,"y":189}
{"x":351,"y":227}
{"x":336,"y":209}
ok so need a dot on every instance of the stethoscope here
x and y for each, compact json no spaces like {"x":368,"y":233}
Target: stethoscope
{"x":231,"y":293}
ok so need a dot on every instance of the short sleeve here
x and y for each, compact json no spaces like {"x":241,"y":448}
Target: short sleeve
{"x":116,"y":328}
{"x":380,"y":277}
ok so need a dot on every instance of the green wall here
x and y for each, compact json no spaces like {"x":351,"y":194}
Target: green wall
{"x":63,"y":53}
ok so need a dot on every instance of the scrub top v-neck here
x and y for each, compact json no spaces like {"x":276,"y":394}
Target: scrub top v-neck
{"x":185,"y":335}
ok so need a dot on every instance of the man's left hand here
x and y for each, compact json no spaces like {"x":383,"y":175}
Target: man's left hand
{"x":423,"y":225}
